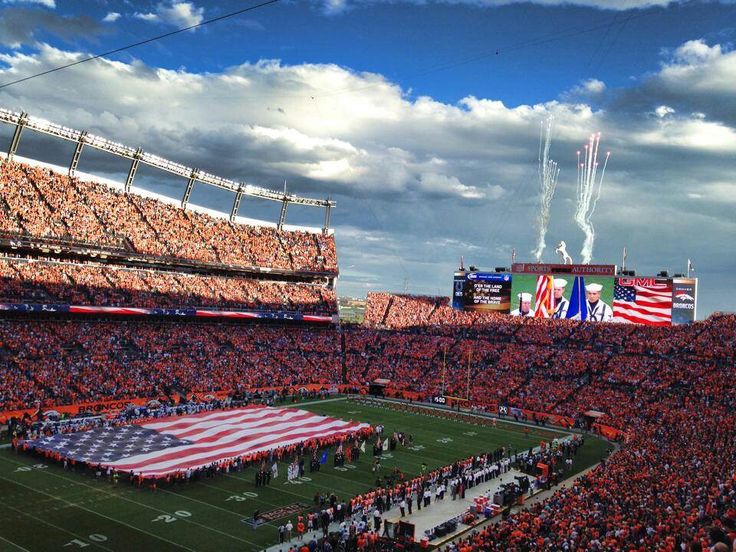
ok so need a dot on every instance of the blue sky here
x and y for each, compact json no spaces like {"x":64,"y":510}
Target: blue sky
{"x":420,"y":118}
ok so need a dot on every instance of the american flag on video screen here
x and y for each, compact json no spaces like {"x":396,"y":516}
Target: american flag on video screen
{"x":543,"y":306}
{"x":642,"y":301}
{"x":169,"y":445}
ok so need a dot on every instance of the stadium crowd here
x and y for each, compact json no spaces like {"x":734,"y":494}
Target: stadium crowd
{"x":50,"y":363}
{"x":44,"y":281}
{"x":41,"y":203}
{"x":62,"y":362}
{"x":396,"y":311}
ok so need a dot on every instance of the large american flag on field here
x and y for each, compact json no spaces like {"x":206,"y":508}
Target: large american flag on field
{"x":643,"y":301}
{"x":170,"y":445}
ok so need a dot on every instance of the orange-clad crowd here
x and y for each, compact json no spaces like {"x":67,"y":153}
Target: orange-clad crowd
{"x":51,"y":282}
{"x":41,"y":203}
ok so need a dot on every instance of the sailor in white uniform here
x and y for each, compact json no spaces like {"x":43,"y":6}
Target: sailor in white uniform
{"x":598,"y":311}
{"x":561,"y":304}
{"x":525,"y":305}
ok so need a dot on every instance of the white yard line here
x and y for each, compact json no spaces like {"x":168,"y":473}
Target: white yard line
{"x":22,"y":512}
{"x":18,"y":546}
{"x":122,"y":497}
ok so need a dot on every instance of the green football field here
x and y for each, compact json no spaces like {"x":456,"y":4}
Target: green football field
{"x":43,"y":507}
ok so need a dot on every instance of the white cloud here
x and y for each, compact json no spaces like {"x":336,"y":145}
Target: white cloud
{"x":147,"y":16}
{"x":663,"y":110}
{"x":691,"y":134}
{"x":46,"y":3}
{"x":585,"y":90}
{"x":593,"y":86}
{"x":332,"y":7}
{"x":695,"y":52}
{"x":697,"y":67}
{"x":441,"y":184}
{"x":177,"y":14}
{"x":111,"y":17}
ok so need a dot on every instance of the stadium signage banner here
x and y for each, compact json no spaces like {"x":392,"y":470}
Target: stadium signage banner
{"x":578,"y":270}
{"x":111,"y":406}
{"x":684,"y":304}
{"x":188,"y":312}
{"x":80,"y":408}
{"x":439,"y":399}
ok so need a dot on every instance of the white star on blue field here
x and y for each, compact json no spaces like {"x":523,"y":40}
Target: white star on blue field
{"x":421,"y":119}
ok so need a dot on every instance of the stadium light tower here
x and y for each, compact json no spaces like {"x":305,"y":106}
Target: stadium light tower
{"x":282,"y":214}
{"x":133,"y":169}
{"x":77,"y":153}
{"x":84,"y":139}
{"x":188,"y":189}
{"x":236,"y":203}
{"x":22,"y":121}
{"x":328,"y":214}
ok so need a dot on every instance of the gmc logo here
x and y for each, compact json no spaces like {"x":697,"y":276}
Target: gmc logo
{"x":646,"y":282}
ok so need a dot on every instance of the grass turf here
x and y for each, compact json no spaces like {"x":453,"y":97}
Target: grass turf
{"x":43,"y":507}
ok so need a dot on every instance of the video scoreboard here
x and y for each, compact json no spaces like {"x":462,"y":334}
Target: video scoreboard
{"x":581,"y":292}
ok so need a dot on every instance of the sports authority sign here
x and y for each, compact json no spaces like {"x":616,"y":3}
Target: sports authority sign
{"x":573,"y":270}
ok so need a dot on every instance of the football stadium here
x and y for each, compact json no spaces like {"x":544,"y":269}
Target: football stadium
{"x":181,"y":370}
{"x":174,"y":379}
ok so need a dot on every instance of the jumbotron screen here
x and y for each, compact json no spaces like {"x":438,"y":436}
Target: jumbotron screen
{"x":580,"y":292}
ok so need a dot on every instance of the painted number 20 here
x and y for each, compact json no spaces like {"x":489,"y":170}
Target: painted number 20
{"x":94,"y":537}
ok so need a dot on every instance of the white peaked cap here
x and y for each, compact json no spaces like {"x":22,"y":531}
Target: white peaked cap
{"x":525,"y":296}
{"x":595,"y":288}
{"x":560,"y":282}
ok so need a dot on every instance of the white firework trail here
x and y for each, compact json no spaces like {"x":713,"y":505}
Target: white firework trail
{"x":589,"y":191}
{"x":548,"y":174}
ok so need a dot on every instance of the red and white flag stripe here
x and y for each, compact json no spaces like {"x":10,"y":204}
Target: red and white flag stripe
{"x":653,"y":306}
{"x":543,"y":301}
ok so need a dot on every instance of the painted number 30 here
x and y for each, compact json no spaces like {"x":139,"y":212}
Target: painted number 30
{"x":167,"y":518}
{"x":79,"y":543}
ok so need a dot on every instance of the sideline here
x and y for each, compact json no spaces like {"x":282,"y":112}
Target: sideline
{"x":534,"y":499}
{"x":552,"y":428}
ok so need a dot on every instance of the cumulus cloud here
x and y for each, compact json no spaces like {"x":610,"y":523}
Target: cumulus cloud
{"x":46,"y":3}
{"x":332,"y":7}
{"x":587,"y":90}
{"x":694,"y":78}
{"x":176,"y":14}
{"x":111,"y":17}
{"x":416,"y":171}
{"x":591,"y":86}
{"x":663,"y":110}
{"x":696,"y":52}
